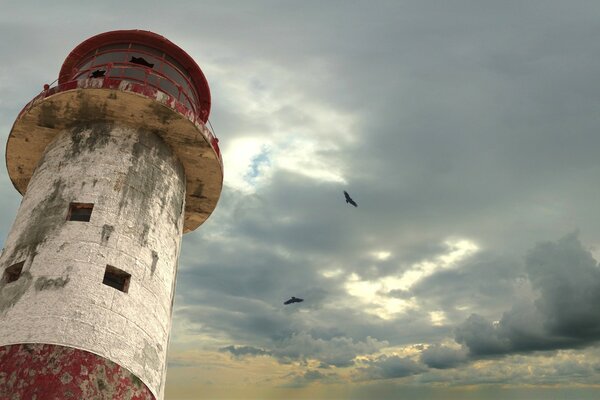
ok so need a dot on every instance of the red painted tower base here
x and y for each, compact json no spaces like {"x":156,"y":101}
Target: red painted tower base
{"x":50,"y":372}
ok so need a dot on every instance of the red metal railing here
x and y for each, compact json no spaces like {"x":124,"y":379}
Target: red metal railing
{"x":163,"y":67}
{"x":146,"y":76}
{"x":143,"y":87}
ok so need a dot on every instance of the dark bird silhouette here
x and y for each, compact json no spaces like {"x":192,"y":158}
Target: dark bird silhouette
{"x":349,"y":199}
{"x":293,"y":300}
{"x":141,"y":61}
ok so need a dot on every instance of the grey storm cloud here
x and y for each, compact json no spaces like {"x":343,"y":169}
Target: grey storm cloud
{"x":338,"y":351}
{"x":390,"y":367}
{"x":566,"y":278}
{"x":481,"y":337}
{"x":486,"y":282}
{"x":244,"y":351}
{"x":442,"y":357}
{"x":311,"y":376}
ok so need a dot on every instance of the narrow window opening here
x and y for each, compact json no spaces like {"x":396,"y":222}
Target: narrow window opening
{"x":116,"y":278}
{"x":13,"y":272}
{"x":80,"y":212}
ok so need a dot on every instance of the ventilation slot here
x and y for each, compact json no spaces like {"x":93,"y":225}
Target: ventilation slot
{"x":116,"y":278}
{"x":80,"y":212}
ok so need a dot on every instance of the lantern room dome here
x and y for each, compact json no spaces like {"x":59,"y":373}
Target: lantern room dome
{"x":142,"y":57}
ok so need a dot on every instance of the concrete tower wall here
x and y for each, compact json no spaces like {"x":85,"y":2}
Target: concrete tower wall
{"x":137,"y":187}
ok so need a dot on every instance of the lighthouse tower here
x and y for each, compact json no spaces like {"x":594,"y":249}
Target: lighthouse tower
{"x":114,"y":163}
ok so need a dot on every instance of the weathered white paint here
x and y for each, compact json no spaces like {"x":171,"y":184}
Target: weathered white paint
{"x":137,"y":186}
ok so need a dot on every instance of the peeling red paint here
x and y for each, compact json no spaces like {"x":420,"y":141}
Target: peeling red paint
{"x":45,"y":371}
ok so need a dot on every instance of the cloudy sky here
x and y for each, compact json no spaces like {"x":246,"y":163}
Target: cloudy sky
{"x":468,"y":133}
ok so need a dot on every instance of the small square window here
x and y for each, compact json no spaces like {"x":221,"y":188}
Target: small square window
{"x":80,"y":212}
{"x":116,"y":278}
{"x":13,"y":272}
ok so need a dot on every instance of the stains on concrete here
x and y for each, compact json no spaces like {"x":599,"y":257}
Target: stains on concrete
{"x":88,"y":111}
{"x":154,"y":262}
{"x":101,"y":384}
{"x":11,"y":293}
{"x":48,"y":114}
{"x":48,"y":216}
{"x":149,"y":356}
{"x":44,"y":371}
{"x":146,"y":183}
{"x":66,"y":378}
{"x":119,"y":182}
{"x":176,"y":204}
{"x":144,"y":235}
{"x":46,"y":283}
{"x":163,"y":150}
{"x":197,"y":209}
{"x":197,"y":192}
{"x":89,"y":138}
{"x":161,"y":112}
{"x":107,"y":230}
{"x":136,"y":381}
{"x":173,"y":284}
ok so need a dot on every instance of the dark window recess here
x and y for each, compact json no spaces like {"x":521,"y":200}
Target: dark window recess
{"x":98,"y":73}
{"x":116,"y":278}
{"x":80,"y":212}
{"x":141,"y":61}
{"x":13,"y":272}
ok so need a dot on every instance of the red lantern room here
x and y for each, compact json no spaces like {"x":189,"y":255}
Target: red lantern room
{"x":145,"y":60}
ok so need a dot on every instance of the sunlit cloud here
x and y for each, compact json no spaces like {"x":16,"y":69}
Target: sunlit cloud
{"x":438,"y":318}
{"x":287,"y":129}
{"x":248,"y":163}
{"x":458,"y":250}
{"x":381,"y":255}
{"x":369,"y":293}
{"x":373,"y":292}
{"x":332,"y":273}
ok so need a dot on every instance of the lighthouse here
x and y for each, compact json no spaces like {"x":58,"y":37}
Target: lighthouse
{"x":114,"y":162}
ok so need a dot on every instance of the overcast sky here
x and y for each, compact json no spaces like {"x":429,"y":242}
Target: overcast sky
{"x":466,"y":131}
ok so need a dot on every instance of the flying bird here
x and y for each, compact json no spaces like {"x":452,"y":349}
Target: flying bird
{"x":349,"y":199}
{"x":293,"y":300}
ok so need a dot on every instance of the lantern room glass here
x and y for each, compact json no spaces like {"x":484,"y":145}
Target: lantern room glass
{"x":127,"y":61}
